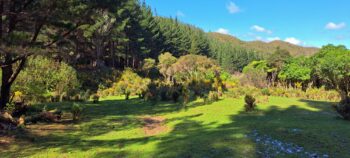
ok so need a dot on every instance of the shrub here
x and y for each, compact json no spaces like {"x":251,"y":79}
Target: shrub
{"x":95,"y":98}
{"x":175,"y":92}
{"x":164,"y":91}
{"x":86,"y":95}
{"x":200,"y":87}
{"x":76,"y":111}
{"x":100,"y":78}
{"x":255,"y":74}
{"x":186,"y":95}
{"x":233,"y":93}
{"x":249,"y":103}
{"x":213,"y":96}
{"x":77,"y":98}
{"x":131,"y":83}
{"x":152,"y":93}
{"x":343,"y":109}
{"x":42,"y":76}
{"x":265,"y":91}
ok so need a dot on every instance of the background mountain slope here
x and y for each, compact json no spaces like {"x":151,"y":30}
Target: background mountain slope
{"x":264,"y":47}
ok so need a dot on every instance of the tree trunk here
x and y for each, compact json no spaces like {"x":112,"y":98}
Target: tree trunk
{"x":8,"y":77}
{"x":99,"y":53}
{"x":133,"y":62}
{"x":126,"y":56}
{"x":1,"y":13}
{"x":5,"y":86}
{"x":344,"y":97}
{"x":113,"y":54}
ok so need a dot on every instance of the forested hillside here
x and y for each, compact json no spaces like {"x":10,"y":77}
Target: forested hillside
{"x":265,"y":47}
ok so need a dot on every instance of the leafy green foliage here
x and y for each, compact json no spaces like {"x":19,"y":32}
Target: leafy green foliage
{"x":166,"y":60}
{"x":194,"y":67}
{"x":255,"y":74}
{"x":333,"y":67}
{"x":44,"y":77}
{"x":131,"y":84}
{"x":148,"y":65}
{"x":296,"y":70}
{"x":213,"y":96}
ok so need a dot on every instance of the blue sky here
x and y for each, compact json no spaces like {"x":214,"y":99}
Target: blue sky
{"x":302,"y":22}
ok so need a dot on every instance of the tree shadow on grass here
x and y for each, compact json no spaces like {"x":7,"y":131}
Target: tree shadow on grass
{"x":98,"y":119}
{"x":193,"y":139}
{"x":325,"y":106}
{"x":317,"y":131}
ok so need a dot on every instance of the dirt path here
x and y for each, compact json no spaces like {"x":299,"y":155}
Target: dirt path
{"x":154,"y":125}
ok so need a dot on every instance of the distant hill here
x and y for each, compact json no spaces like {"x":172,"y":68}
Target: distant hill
{"x":265,"y":47}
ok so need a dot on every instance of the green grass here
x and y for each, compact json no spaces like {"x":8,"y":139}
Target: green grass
{"x":113,"y":129}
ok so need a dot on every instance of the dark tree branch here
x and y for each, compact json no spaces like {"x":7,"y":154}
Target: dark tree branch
{"x":18,"y":69}
{"x":63,"y":35}
{"x":38,"y":27}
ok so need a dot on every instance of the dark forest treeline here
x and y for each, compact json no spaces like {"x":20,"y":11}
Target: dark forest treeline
{"x":127,"y":32}
{"x":122,"y":34}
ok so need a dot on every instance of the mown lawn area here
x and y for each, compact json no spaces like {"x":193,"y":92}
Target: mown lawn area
{"x":134,"y":128}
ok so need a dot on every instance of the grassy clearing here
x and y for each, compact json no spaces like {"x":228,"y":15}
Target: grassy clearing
{"x":114,"y":128}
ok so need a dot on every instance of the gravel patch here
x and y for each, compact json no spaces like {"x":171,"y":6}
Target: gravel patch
{"x":273,"y":147}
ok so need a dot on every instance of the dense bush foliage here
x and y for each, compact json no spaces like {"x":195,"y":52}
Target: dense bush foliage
{"x":184,"y":79}
{"x":333,"y":67}
{"x":250,"y":104}
{"x":255,"y":74}
{"x":130,"y":83}
{"x":296,"y":70}
{"x":44,"y":78}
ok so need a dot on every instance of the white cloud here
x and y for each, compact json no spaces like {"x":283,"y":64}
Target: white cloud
{"x":180,"y":14}
{"x":293,"y":40}
{"x":233,"y":8}
{"x":269,"y":39}
{"x":223,"y":31}
{"x":258,"y":28}
{"x":334,"y":26}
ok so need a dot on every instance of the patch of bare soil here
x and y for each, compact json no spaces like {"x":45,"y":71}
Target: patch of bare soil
{"x":45,"y":129}
{"x":6,"y":140}
{"x":154,"y":125}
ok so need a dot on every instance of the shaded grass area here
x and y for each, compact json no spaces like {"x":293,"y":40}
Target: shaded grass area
{"x":113,"y":128}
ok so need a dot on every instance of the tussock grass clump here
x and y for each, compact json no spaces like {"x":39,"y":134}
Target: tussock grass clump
{"x":250,"y":104}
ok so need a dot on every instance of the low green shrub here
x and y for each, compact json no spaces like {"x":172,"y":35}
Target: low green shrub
{"x":265,"y":91}
{"x":250,"y":104}
{"x":152,"y":93}
{"x":76,"y":111}
{"x":95,"y":98}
